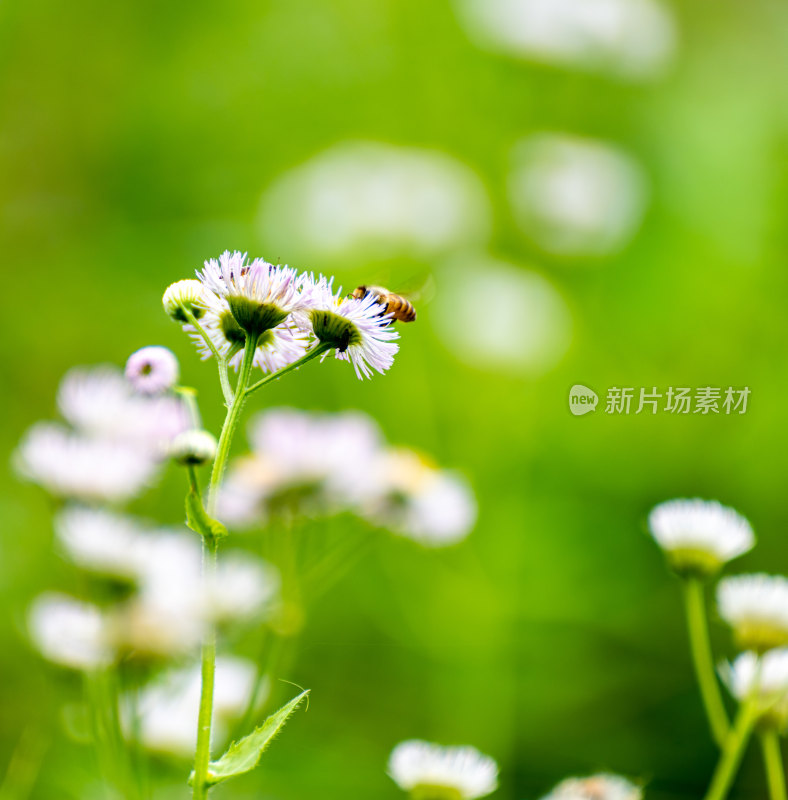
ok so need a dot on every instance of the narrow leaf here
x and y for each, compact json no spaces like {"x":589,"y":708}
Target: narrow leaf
{"x":242,"y":756}
{"x":199,"y":521}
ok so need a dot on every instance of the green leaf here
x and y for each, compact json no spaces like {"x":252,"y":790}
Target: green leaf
{"x":199,"y":521}
{"x":242,"y":756}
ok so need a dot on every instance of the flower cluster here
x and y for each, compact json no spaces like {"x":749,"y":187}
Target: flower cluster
{"x":317,"y":464}
{"x":283,"y":314}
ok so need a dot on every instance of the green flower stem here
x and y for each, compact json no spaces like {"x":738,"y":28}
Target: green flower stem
{"x":733,"y":750}
{"x":224,"y":378}
{"x":704,"y":662}
{"x":773,"y":762}
{"x":202,"y":754}
{"x":189,"y":396}
{"x":308,"y":356}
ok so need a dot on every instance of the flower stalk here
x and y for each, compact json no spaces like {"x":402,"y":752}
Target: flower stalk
{"x":773,"y":763}
{"x":733,"y":750}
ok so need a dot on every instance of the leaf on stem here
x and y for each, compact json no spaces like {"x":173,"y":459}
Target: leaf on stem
{"x":199,"y":521}
{"x":243,"y":756}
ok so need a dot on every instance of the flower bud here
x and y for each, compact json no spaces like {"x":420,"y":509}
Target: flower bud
{"x":183,"y":295}
{"x":193,"y":448}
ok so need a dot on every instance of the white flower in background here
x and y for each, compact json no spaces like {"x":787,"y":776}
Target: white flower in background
{"x":193,"y":448}
{"x":69,"y":465}
{"x":530,"y":330}
{"x":596,"y":787}
{"x":102,"y":541}
{"x":431,"y":772}
{"x":358,"y":329}
{"x":416,"y":499}
{"x":574,"y":196}
{"x":69,"y":632}
{"x":631,"y":39}
{"x":756,"y":607}
{"x":375,"y":198}
{"x":169,"y":706}
{"x":699,"y":536}
{"x":767,"y":676}
{"x":259,"y":295}
{"x":187,"y":294}
{"x":152,"y":370}
{"x":276,"y":347}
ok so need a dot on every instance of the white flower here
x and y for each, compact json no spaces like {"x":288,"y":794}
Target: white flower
{"x":276,"y":347}
{"x":69,"y":465}
{"x":193,"y":447}
{"x":414,"y":498}
{"x":69,"y":632}
{"x":756,"y":607}
{"x":433,"y":772}
{"x":260,"y":295}
{"x":103,"y":542}
{"x":767,"y":676}
{"x":169,"y":706}
{"x":359,"y":329}
{"x":596,"y":787}
{"x":699,"y":535}
{"x":188,"y":294}
{"x":152,"y":370}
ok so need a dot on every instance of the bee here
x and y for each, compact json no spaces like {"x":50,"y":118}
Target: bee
{"x":400,"y":308}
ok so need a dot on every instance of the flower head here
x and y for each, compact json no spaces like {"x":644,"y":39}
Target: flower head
{"x":276,"y":347}
{"x":431,"y":772}
{"x":181,"y":297}
{"x":152,"y":370}
{"x":359,"y":330}
{"x":596,"y":787}
{"x":193,"y":447}
{"x":699,"y":536}
{"x":756,"y":607}
{"x":767,"y":677}
{"x":259,"y":295}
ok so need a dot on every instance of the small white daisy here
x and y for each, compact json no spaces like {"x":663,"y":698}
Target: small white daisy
{"x":152,"y":370}
{"x":194,"y":447}
{"x":260,"y":295}
{"x":70,"y":465}
{"x":358,"y":329}
{"x":415,"y":499}
{"x":596,"y":787}
{"x":699,"y":536}
{"x":189,"y":295}
{"x":69,"y":632}
{"x":768,"y":677}
{"x":276,"y":347}
{"x":756,"y":607}
{"x":431,"y":772}
{"x":169,"y":706}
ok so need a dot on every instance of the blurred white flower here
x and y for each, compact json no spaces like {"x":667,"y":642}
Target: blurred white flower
{"x":756,"y":607}
{"x":528,"y":332}
{"x":70,"y":465}
{"x":102,"y":541}
{"x":767,"y":677}
{"x":152,"y":370}
{"x":596,"y":787}
{"x":574,"y":196}
{"x":631,"y":39}
{"x":375,"y":197}
{"x":169,"y":706}
{"x":699,"y":536}
{"x":415,"y":499}
{"x":433,"y":772}
{"x":69,"y":632}
{"x":194,"y":447}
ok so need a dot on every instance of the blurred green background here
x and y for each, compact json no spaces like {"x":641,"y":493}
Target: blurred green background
{"x":138,"y":138}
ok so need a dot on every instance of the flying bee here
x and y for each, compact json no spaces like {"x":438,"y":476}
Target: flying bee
{"x":396,"y":305}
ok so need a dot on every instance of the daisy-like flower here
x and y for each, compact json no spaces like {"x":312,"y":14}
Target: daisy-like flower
{"x":414,"y":498}
{"x":193,"y":448}
{"x":259,"y":295}
{"x":276,"y":347}
{"x":152,"y":370}
{"x":756,"y":607}
{"x":699,"y":536}
{"x":358,"y":329}
{"x":431,"y":772}
{"x":767,"y":677}
{"x":69,"y":465}
{"x":182,"y":295}
{"x":596,"y":787}
{"x":168,"y":707}
{"x":69,"y":632}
